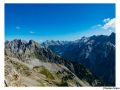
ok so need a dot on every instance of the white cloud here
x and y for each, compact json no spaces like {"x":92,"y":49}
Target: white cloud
{"x":110,"y":25}
{"x":106,"y":20}
{"x":31,"y":32}
{"x":106,"y":27}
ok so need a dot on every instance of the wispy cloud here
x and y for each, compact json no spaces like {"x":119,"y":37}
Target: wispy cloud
{"x":109,"y":25}
{"x":99,"y":25}
{"x":31,"y":32}
{"x":18,"y":27}
{"x":106,"y":20}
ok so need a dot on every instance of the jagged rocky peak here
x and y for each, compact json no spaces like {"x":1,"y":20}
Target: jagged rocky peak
{"x":19,"y":42}
{"x":111,"y":38}
{"x":112,"y":34}
{"x":15,"y":45}
{"x":52,"y":43}
{"x":83,"y":39}
{"x":15,"y":42}
{"x":34,"y":43}
{"x":18,"y":47}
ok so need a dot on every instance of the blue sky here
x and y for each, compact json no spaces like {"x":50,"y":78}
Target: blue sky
{"x":42,"y":22}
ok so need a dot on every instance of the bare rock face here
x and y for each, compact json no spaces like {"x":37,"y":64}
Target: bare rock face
{"x":18,"y":73}
{"x":29,"y":64}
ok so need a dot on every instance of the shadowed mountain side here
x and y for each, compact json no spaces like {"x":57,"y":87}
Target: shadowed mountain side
{"x":96,"y":52}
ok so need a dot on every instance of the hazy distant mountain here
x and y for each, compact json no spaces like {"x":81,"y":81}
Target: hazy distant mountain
{"x":30,"y":64}
{"x":96,"y":52}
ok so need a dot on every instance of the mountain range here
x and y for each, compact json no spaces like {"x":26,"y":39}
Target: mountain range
{"x":96,"y":53}
{"x":89,"y":61}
